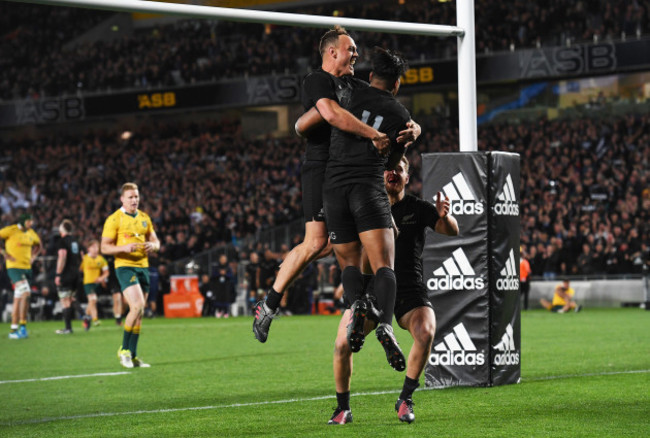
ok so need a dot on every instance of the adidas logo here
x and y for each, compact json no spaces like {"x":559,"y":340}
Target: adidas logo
{"x":508,"y":352}
{"x":456,"y":273}
{"x":507,"y":204}
{"x":458,"y":349}
{"x":509,"y":279}
{"x":462,"y":199}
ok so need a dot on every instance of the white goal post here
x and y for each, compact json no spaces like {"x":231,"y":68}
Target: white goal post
{"x":464,"y":33}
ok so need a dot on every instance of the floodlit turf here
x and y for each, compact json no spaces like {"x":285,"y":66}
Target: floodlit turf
{"x":585,"y":374}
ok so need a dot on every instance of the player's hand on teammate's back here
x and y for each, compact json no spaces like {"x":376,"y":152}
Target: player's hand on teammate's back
{"x":382,"y":143}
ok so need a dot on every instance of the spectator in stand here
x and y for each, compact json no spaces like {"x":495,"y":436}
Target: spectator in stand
{"x":223,"y":288}
{"x":230,"y":176}
{"x":255,"y":292}
{"x":194,"y":51}
{"x":585,"y":261}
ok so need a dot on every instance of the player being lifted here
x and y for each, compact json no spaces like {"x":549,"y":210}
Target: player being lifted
{"x":129,"y":236}
{"x":320,"y":88}
{"x":339,"y":54}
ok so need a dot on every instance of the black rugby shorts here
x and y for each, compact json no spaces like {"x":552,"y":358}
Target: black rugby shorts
{"x":354,"y":208}
{"x":407,"y":300}
{"x":312,"y":177}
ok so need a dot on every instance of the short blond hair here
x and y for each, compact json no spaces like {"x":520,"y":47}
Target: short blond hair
{"x":128,"y":186}
{"x":331,"y":38}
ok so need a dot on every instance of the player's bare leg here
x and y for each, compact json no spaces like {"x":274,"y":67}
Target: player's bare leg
{"x":342,"y":365}
{"x":421,"y":323}
{"x":117,"y":308}
{"x":314,"y":245}
{"x":136,"y":300}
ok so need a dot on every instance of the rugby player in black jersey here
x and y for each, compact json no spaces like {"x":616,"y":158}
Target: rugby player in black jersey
{"x":413,"y":310}
{"x":320,"y":88}
{"x":358,"y":216}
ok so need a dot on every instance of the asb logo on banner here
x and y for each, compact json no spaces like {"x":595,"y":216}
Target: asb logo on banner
{"x":458,"y":349}
{"x":507,"y":204}
{"x":456,"y":273}
{"x":508,"y":279}
{"x":463,"y":201}
{"x":506,"y":352}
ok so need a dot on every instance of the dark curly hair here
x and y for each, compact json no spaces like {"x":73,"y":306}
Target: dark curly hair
{"x":387,"y":65}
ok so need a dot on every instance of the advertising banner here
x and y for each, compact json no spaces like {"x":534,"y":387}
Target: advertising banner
{"x":472,"y":279}
{"x":504,"y":232}
{"x":267,"y":90}
{"x":456,"y":271}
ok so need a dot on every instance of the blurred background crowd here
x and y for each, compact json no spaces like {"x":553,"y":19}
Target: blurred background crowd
{"x":41,"y":55}
{"x":585,"y":189}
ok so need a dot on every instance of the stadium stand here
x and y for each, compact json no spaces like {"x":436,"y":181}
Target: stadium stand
{"x":39,"y":60}
{"x":585,"y":189}
{"x":584,"y":183}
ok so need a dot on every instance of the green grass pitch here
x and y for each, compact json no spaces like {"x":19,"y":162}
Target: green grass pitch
{"x":583,"y":375}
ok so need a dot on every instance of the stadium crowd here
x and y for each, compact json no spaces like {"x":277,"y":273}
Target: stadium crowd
{"x":40,"y":57}
{"x":585,"y":188}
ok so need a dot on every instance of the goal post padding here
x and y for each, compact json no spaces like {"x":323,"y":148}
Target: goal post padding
{"x":473,"y":278}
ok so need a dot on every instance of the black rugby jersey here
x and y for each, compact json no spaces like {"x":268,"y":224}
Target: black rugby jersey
{"x":412,"y":216}
{"x":354,"y":159}
{"x":318,"y":85}
{"x":70,"y":273}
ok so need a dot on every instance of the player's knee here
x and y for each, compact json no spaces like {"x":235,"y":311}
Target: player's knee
{"x":342,"y":348}
{"x":138,"y":309}
{"x":316,"y":244}
{"x":424,"y":332}
{"x":21,"y":288}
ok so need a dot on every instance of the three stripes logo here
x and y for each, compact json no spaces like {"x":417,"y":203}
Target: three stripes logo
{"x":506,"y":352}
{"x":456,"y":273}
{"x":509,"y":279}
{"x":507,"y":204}
{"x":461,"y":197}
{"x":458,"y":349}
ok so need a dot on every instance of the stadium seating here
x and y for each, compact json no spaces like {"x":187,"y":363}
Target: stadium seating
{"x":40,"y":59}
{"x":584,"y":182}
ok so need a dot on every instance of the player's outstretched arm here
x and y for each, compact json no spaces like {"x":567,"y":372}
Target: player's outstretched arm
{"x":447,"y":224}
{"x":342,"y":119}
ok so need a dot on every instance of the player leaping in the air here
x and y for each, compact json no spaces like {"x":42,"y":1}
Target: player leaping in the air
{"x":320,"y":91}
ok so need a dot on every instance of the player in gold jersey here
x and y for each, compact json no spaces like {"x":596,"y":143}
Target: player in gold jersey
{"x":95,"y":271}
{"x":22,"y":245}
{"x":129,"y":236}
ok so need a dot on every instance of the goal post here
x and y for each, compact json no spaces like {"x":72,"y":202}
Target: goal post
{"x":464,"y":33}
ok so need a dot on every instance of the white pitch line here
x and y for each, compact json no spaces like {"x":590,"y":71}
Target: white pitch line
{"x":272,"y":402}
{"x":568,"y":376}
{"x":78,"y":376}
